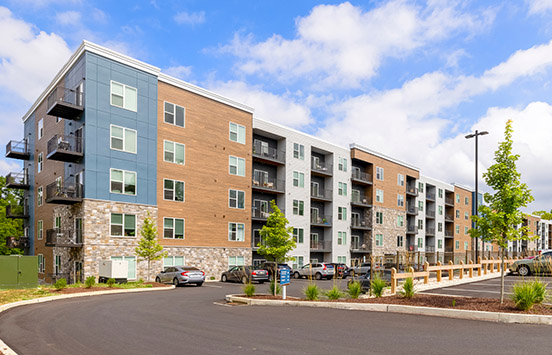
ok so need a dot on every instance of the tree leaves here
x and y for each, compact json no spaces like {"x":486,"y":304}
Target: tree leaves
{"x":277,"y":238}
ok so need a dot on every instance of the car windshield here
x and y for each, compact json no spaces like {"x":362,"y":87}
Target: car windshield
{"x":329,"y":266}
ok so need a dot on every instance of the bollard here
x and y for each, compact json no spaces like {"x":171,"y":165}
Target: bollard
{"x":461,"y":269}
{"x":393,"y":281}
{"x":471,"y":269}
{"x":451,"y":271}
{"x":439,"y":271}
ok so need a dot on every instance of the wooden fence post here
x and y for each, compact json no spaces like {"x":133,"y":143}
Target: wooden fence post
{"x":397,"y":261}
{"x":426,"y":277}
{"x":471,"y":269}
{"x":479,"y":269}
{"x":439,"y":272}
{"x":461,"y":269}
{"x":492,"y":265}
{"x":451,"y":271}
{"x":485,"y":268}
{"x":393,"y":281}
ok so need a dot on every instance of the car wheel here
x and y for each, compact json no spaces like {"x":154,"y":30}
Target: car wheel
{"x":318,"y":276}
{"x":224,"y":278}
{"x":523,"y":270}
{"x":244,"y":280}
{"x":199,"y":284}
{"x":158,"y":280}
{"x":176,"y":282}
{"x":296,"y":275}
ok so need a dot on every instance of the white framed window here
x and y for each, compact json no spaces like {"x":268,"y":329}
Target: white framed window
{"x":400,"y":200}
{"x":299,"y":235}
{"x":123,"y":139}
{"x":342,"y":188}
{"x":457,"y":198}
{"x":420,"y":224}
{"x":57,"y":222}
{"x":400,"y":221}
{"x":466,"y":230}
{"x":173,"y":228}
{"x":379,"y":217}
{"x":122,"y":224}
{"x":379,"y":195}
{"x":421,"y":206}
{"x":379,"y":240}
{"x":40,"y":159}
{"x":298,"y":151}
{"x":420,"y":243}
{"x":131,"y":260}
{"x":122,"y":182}
{"x":466,"y":201}
{"x":466,"y":216}
{"x":298,"y":207}
{"x":236,"y":166}
{"x":298,"y":261}
{"x":174,"y":114}
{"x":457,"y":213}
{"x":379,"y":173}
{"x":169,"y":261}
{"x":341,"y":238}
{"x":466,"y":246}
{"x":400,"y":241}
{"x":400,"y":179}
{"x":457,"y":244}
{"x":41,"y":263}
{"x":57,"y":269}
{"x":342,"y":259}
{"x":40,"y":128}
{"x":236,"y":261}
{"x":342,"y":213}
{"x":124,"y":96}
{"x":173,"y":190}
{"x":342,"y":164}
{"x":457,"y":229}
{"x":421,"y":186}
{"x":174,"y":152}
{"x":236,"y":232}
{"x":39,"y":230}
{"x":439,"y":243}
{"x":298,"y":179}
{"x":39,"y":196}
{"x":236,"y":199}
{"x":439,"y":227}
{"x":440,"y":208}
{"x":237,"y":133}
{"x":440,"y":193}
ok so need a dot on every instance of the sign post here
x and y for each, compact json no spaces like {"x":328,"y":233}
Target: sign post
{"x":284,"y":281}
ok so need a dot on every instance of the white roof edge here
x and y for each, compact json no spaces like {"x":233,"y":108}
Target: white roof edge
{"x":203,"y":92}
{"x":383,"y":156}
{"x":464,"y":187}
{"x":436,"y":180}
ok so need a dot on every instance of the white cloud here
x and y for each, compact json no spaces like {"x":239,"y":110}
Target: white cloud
{"x":68,"y":18}
{"x":179,"y":71}
{"x":9,"y":167}
{"x":44,"y":3}
{"x":341,"y":45}
{"x":190,"y":18}
{"x":538,"y":7}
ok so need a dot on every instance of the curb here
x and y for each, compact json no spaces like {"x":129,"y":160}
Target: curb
{"x":394,"y":308}
{"x":6,"y":350}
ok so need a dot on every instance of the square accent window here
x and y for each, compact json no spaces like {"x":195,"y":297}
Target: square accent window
{"x":122,"y":182}
{"x":298,"y":207}
{"x":400,"y":179}
{"x":124,"y":139}
{"x":237,"y":166}
{"x":124,"y":96}
{"x":342,"y":164}
{"x":173,"y":228}
{"x":342,"y":189}
{"x":379,"y":217}
{"x":237,"y":133}
{"x":174,"y":152}
{"x":298,"y":151}
{"x":379,"y":195}
{"x":341,"y":238}
{"x":298,"y":179}
{"x":400,"y":200}
{"x":174,"y":114}
{"x":236,"y":261}
{"x":236,"y":232}
{"x":123,"y":225}
{"x":400,"y":221}
{"x":173,"y":190}
{"x":236,"y":199}
{"x":421,"y":187}
{"x":379,"y":240}
{"x":342,"y":213}
{"x":379,"y":173}
{"x":299,"y":235}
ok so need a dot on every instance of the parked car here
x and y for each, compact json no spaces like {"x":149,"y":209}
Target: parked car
{"x":245,"y":274}
{"x":362,"y":269}
{"x":318,"y":271}
{"x":269,"y":267}
{"x":541,"y":264}
{"x":365,"y":279}
{"x":341,"y":270}
{"x":178,"y":275}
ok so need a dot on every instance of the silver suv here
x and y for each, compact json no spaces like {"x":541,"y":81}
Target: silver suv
{"x":317,"y":270}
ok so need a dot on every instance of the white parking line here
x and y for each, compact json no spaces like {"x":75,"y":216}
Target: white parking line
{"x":469,"y":290}
{"x":212,"y":286}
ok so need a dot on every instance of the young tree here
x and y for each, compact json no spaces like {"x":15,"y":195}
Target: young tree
{"x":278,"y":239}
{"x":498,"y":219}
{"x":148,"y":247}
{"x":9,"y":227}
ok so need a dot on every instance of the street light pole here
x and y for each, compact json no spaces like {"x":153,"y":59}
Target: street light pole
{"x":476,"y":135}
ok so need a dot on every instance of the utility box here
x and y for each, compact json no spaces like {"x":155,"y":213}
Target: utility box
{"x":17,"y":271}
{"x":113,"y":269}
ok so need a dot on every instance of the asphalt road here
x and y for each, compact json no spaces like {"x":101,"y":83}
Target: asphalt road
{"x":195,"y":320}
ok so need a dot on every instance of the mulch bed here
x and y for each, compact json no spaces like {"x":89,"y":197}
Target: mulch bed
{"x":69,"y":290}
{"x":424,"y":300}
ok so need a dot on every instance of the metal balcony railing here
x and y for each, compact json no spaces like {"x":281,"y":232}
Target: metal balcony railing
{"x":18,"y":180}
{"x":430,"y":231}
{"x":18,"y":149}
{"x":411,"y":229}
{"x":361,"y":200}
{"x":64,"y":192}
{"x":321,"y":167}
{"x":64,"y":148}
{"x":17,"y":211}
{"x":361,"y":176}
{"x":268,"y":184}
{"x":449,"y":218}
{"x":321,"y":245}
{"x":430,"y":213}
{"x":321,"y":220}
{"x":430,"y":197}
{"x":359,"y":246}
{"x":360,"y":223}
{"x":449,"y":233}
{"x":321,"y":194}
{"x":65,"y":103}
{"x":268,"y":153}
{"x":449,"y":201}
{"x":64,"y":238}
{"x":17,"y":242}
{"x":411,"y":190}
{"x":411,"y":209}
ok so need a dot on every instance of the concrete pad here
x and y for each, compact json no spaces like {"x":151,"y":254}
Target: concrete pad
{"x":445,"y":312}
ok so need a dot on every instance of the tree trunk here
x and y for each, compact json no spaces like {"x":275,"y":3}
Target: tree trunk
{"x":502,"y":278}
{"x":148,"y":276}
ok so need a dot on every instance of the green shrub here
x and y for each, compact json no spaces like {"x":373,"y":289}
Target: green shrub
{"x":249,"y":289}
{"x":540,"y":290}
{"x":334,"y":293}
{"x":110,"y":282}
{"x":377,"y":285}
{"x":60,"y":284}
{"x":354,"y":289}
{"x":90,"y":281}
{"x":278,"y":288}
{"x":527,"y":294}
{"x":453,"y":303}
{"x":408,"y":288}
{"x":211,"y":278}
{"x":312,"y":291}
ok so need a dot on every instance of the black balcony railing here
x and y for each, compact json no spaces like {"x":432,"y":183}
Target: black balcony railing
{"x":268,"y":184}
{"x":64,"y":238}
{"x":411,"y":229}
{"x":18,"y":180}
{"x":269,"y":153}
{"x":17,"y":211}
{"x":18,"y":149}
{"x":360,"y":223}
{"x":359,"y":247}
{"x":430,"y":197}
{"x":430,"y":214}
{"x":360,"y":176}
{"x":361,"y":200}
{"x":17,"y":242}
{"x":65,"y":148}
{"x":321,"y":220}
{"x":411,"y":190}
{"x":430,"y":231}
{"x":449,"y":218}
{"x":321,"y":245}
{"x":257,"y":239}
{"x":449,"y":233}
{"x":411,"y":209}
{"x":65,"y":103}
{"x":65,"y":193}
{"x":324,"y":168}
{"x":321,"y":194}
{"x":449,"y":201}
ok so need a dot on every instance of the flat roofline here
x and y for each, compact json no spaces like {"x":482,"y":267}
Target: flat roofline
{"x":383,"y":156}
{"x":436,"y":181}
{"x":463,"y":187}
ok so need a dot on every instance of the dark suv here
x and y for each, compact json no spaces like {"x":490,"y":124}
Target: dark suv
{"x":269,"y":266}
{"x":341,"y":270}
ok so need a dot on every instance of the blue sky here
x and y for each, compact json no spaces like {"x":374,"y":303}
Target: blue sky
{"x":405,"y":78}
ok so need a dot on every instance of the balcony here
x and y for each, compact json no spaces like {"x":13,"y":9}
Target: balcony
{"x":411,"y":229}
{"x":321,"y":168}
{"x":267,"y":154}
{"x":359,"y":223}
{"x":321,"y":221}
{"x":430,"y":231}
{"x":449,"y":201}
{"x":361,"y":201}
{"x":18,"y":180}
{"x":268,"y":185}
{"x":17,"y":211}
{"x":411,"y":190}
{"x":360,"y":177}
{"x":321,"y":195}
{"x":63,"y":238}
{"x":323,"y":246}
{"x":449,"y":218}
{"x":449,"y":234}
{"x":430,"y":248}
{"x":430,"y":214}
{"x":449,"y":250}
{"x":64,"y":193}
{"x":258,"y":214}
{"x":256,"y":240}
{"x":17,"y":242}
{"x":65,"y":103}
{"x":430,"y":197}
{"x":359,"y":247}
{"x":411,"y":210}
{"x":18,"y":150}
{"x":65,"y":148}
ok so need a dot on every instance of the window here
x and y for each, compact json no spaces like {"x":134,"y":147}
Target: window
{"x":131,"y":260}
{"x":236,"y":199}
{"x":236,"y":261}
{"x":237,"y":166}
{"x":342,"y":213}
{"x":466,"y":230}
{"x":175,"y":114}
{"x":298,"y":235}
{"x":174,"y":152}
{"x":466,"y":201}
{"x":298,"y":207}
{"x":58,"y":265}
{"x":40,"y":196}
{"x":298,"y":151}
{"x":379,"y":217}
{"x":41,"y":263}
{"x":237,"y":133}
{"x":379,"y":195}
{"x":379,"y":240}
{"x":379,"y":173}
{"x":173,"y":261}
{"x":466,"y":246}
{"x":457,"y":244}
{"x":420,"y":224}
{"x":400,"y":200}
{"x":236,"y":232}
{"x":400,"y":241}
{"x":457,"y":229}
{"x":421,"y":206}
{"x":123,"y":139}
{"x":124,"y":96}
{"x":41,"y":128}
{"x":341,"y":238}
{"x":342,"y":189}
{"x":421,"y":186}
{"x":420,"y":243}
{"x":439,"y":243}
{"x":57,"y":222}
{"x":457,"y":213}
{"x":39,"y":230}
{"x":440,"y":209}
{"x":440,"y":193}
{"x":122,"y":182}
{"x":342,"y":259}
{"x":439,"y":227}
{"x":342,"y":164}
{"x":123,"y":225}
{"x":400,"y":221}
{"x":466,"y":216}
{"x":298,"y":261}
{"x":40,"y":161}
{"x":457,"y":198}
{"x":173,"y":190}
{"x":400,"y":179}
{"x":298,"y":179}
{"x":173,"y":228}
